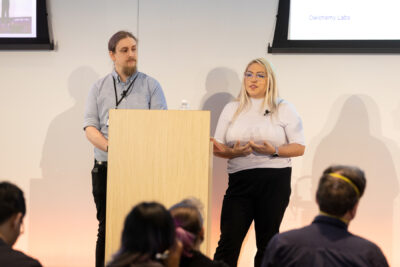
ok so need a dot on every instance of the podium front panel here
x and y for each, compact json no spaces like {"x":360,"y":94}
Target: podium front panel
{"x":156,"y":155}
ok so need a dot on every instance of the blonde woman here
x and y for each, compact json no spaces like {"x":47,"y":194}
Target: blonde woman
{"x":258,"y":134}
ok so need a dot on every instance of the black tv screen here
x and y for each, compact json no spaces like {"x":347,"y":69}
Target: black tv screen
{"x":24,"y":25}
{"x":337,"y":26}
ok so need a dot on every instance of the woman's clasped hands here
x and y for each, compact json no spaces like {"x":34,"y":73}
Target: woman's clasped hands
{"x":239,"y":150}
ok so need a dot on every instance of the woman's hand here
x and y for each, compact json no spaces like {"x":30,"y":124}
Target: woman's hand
{"x":266,"y":148}
{"x":218,"y":147}
{"x":240,"y":151}
{"x":223,"y":151}
{"x":287,"y":151}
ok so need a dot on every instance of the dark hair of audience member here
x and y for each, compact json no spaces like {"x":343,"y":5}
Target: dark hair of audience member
{"x":336,"y":196}
{"x":148,"y":234}
{"x":12,"y":201}
{"x":118,"y":36}
{"x":189,"y":224}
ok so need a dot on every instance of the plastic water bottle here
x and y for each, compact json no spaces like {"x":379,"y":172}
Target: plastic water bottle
{"x":184,"y":105}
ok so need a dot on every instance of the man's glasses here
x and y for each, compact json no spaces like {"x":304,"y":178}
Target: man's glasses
{"x":258,"y":75}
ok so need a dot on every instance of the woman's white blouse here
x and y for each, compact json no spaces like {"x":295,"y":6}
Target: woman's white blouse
{"x":279,"y":128}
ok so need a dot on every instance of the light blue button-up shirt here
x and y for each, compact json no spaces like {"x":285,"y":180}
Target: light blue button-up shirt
{"x":146,"y":93}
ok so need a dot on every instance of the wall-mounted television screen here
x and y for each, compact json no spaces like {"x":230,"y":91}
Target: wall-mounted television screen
{"x":337,"y":26}
{"x":24,"y":25}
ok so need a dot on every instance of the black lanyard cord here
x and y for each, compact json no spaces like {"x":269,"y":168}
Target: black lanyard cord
{"x":124,"y":93}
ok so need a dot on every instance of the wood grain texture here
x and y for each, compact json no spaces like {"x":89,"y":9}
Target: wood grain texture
{"x":156,"y":155}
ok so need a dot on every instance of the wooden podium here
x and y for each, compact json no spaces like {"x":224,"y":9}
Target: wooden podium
{"x":156,"y":155}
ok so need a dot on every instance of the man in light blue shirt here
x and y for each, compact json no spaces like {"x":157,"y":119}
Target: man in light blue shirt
{"x":124,"y":88}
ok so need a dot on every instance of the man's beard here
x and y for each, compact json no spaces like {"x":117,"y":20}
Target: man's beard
{"x":128,"y":71}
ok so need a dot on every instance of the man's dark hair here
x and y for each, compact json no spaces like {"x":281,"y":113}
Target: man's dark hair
{"x":336,"y":196}
{"x":12,"y":201}
{"x":118,"y":36}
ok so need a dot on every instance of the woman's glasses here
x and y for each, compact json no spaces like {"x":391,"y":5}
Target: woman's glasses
{"x":258,"y":75}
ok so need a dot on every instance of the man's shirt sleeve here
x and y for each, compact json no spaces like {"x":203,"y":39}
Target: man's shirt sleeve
{"x":91,"y":115}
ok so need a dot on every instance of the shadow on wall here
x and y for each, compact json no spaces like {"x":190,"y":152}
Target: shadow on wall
{"x":62,"y":221}
{"x":356,"y":139}
{"x":219,"y":85}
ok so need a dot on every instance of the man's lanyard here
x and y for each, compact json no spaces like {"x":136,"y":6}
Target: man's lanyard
{"x":124,"y":93}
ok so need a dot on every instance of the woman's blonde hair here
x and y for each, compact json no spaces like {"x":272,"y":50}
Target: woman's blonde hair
{"x":271,"y":94}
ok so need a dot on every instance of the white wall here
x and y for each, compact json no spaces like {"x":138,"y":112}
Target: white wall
{"x":350,"y":105}
{"x":44,"y":148}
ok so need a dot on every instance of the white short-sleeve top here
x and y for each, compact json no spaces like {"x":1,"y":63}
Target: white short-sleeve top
{"x":279,"y":128}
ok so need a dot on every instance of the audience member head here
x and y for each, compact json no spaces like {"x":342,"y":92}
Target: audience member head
{"x":148,"y":234}
{"x":12,"y":212}
{"x":340,"y":189}
{"x":189,"y":224}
